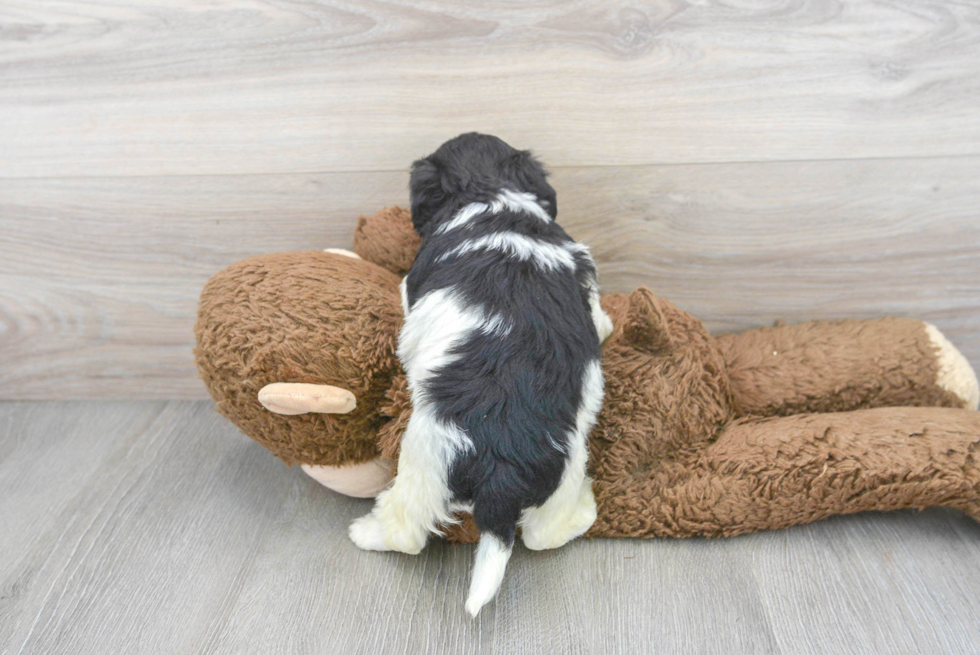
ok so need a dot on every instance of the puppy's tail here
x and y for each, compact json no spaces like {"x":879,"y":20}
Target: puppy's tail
{"x":488,"y":572}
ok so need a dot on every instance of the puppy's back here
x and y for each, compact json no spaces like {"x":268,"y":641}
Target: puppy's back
{"x":511,"y":374}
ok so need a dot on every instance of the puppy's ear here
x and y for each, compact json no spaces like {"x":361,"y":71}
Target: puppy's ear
{"x":426,"y":192}
{"x":530,"y":174}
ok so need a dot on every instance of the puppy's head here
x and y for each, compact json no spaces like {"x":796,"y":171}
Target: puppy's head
{"x":473,"y":168}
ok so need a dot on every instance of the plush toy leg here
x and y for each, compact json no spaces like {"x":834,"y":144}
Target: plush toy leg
{"x":831,"y":366}
{"x":361,"y":480}
{"x":764,"y":474}
{"x":388,"y":239}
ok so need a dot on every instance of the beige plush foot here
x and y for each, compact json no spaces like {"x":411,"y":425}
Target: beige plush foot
{"x":363,"y":480}
{"x":955,"y":373}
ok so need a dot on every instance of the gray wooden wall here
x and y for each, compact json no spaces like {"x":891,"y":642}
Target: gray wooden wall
{"x":751,"y":160}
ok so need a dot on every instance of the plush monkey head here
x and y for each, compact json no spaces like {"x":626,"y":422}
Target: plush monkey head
{"x":312,"y":318}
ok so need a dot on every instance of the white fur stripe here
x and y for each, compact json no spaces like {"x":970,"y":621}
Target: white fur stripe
{"x":520,"y":202}
{"x":546,"y":255}
{"x":464,"y":216}
{"x":435,"y":323}
{"x":497,"y":325}
{"x":591,"y":403}
{"x":513,"y":200}
{"x":438,"y":321}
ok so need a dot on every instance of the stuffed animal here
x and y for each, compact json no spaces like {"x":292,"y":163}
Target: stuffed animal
{"x":698,"y":435}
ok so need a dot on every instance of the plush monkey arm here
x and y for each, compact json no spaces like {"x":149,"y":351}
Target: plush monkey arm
{"x":827,"y":366}
{"x":388,"y":239}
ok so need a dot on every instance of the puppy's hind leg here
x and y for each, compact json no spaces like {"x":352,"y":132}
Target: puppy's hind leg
{"x":570,"y":511}
{"x":567,"y":514}
{"x":418,"y":500}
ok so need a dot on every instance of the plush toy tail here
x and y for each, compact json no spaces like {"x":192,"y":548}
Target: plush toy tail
{"x":488,"y":572}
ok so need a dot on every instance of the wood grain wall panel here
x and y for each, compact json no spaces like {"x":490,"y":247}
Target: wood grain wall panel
{"x":99,"y":277}
{"x":743,"y":245}
{"x":165,"y":87}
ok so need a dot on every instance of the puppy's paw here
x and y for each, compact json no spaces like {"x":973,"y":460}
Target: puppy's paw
{"x":372,"y":533}
{"x":549,"y":527}
{"x":368,"y":533}
{"x":407,"y":539}
{"x":585,"y":513}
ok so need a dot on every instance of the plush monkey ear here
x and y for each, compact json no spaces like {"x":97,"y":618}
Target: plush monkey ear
{"x":645,"y":326}
{"x":523,"y":167}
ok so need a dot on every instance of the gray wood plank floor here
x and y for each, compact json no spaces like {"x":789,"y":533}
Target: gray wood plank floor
{"x":155,"y":527}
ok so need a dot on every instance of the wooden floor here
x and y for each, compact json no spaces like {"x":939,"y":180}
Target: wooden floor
{"x":154,"y":527}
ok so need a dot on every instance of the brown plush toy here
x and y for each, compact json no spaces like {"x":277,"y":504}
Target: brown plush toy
{"x":697,"y":436}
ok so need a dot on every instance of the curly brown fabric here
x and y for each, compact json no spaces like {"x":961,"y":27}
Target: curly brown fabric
{"x":697,"y":436}
{"x":387,"y":239}
{"x":832,"y":366}
{"x":301,"y":317}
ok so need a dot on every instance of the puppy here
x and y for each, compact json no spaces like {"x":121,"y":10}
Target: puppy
{"x":501,"y":348}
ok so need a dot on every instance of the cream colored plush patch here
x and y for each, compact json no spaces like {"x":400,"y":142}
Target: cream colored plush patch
{"x":341,"y":251}
{"x":955,"y":373}
{"x":364,"y":480}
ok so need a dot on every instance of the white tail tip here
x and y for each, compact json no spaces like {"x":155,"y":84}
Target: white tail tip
{"x":488,"y":572}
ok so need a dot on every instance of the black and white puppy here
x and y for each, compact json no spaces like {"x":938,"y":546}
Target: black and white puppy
{"x":501,"y":349}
